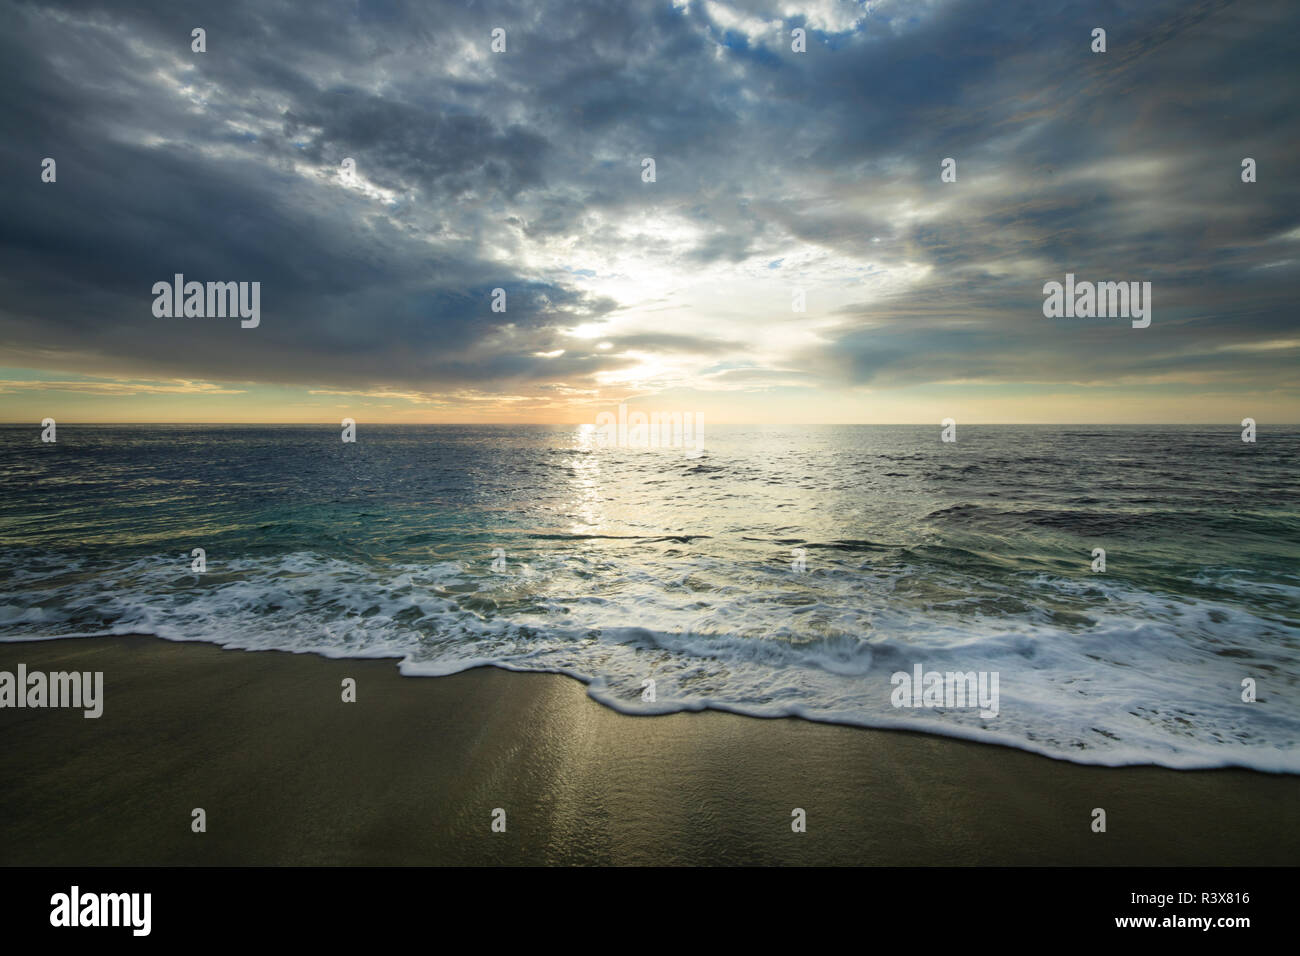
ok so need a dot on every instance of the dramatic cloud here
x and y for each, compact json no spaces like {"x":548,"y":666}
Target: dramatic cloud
{"x":775,"y":171}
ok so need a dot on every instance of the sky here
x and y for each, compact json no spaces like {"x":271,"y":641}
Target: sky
{"x":776,"y":173}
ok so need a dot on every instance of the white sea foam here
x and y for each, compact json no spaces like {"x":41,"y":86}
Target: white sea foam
{"x":1144,"y":678}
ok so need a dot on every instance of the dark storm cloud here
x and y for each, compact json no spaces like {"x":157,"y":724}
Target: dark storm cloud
{"x":486,"y":170}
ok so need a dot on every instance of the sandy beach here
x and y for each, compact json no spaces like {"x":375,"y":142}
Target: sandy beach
{"x":411,"y":774}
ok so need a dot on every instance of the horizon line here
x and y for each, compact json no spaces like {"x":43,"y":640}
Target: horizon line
{"x":715,"y":424}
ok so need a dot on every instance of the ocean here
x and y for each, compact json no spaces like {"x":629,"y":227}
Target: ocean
{"x":781,"y":570}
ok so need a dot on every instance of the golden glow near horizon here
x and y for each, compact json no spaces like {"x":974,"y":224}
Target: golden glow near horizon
{"x":191,"y":402}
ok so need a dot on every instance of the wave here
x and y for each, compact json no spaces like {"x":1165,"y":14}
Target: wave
{"x":1090,"y":670}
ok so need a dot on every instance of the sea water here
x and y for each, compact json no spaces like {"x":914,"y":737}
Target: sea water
{"x":782,"y":570}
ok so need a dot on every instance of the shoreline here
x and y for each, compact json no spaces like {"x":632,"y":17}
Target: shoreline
{"x":289,"y":774}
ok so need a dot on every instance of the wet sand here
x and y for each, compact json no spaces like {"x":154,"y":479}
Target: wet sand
{"x":412,"y":772}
